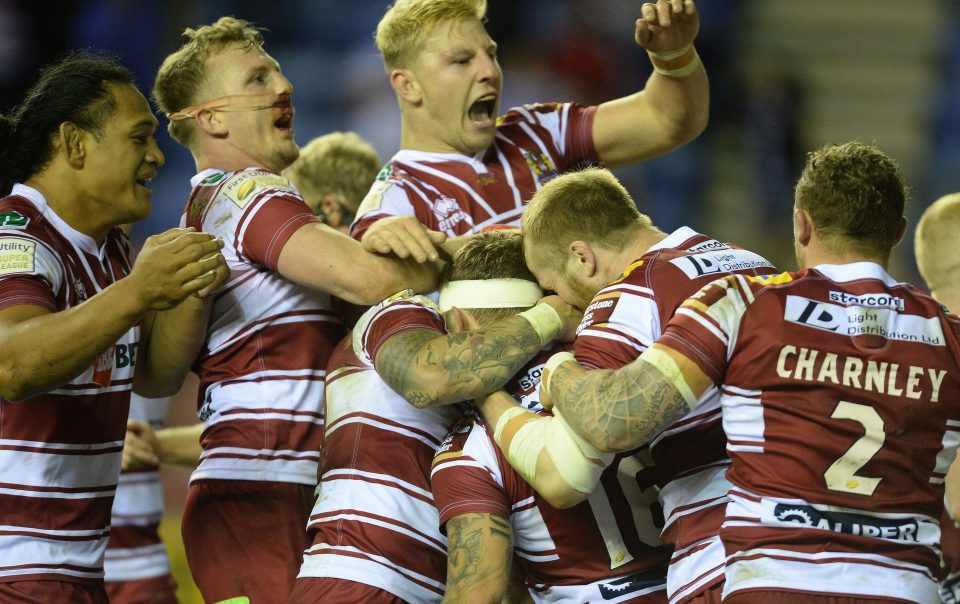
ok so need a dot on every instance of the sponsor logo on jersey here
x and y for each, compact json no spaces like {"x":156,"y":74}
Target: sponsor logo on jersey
{"x":713,"y":244}
{"x":242,"y":188}
{"x":17,"y":255}
{"x":616,"y":589}
{"x":213,"y":178}
{"x":541,"y":166}
{"x":530,"y":380}
{"x":879,"y":300}
{"x":13,"y":220}
{"x":449,"y":214}
{"x":863,"y":321}
{"x":898,"y":529}
{"x":719,"y":263}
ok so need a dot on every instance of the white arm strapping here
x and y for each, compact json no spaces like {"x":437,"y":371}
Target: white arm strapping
{"x":670,"y":370}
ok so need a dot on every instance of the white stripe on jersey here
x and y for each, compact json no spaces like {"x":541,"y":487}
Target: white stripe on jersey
{"x":43,"y":547}
{"x":834,"y":574}
{"x":705,"y":323}
{"x":694,"y":567}
{"x":694,"y":492}
{"x":480,"y":201}
{"x":398,"y":429}
{"x":139,"y":500}
{"x":605,"y":335}
{"x":393,"y":526}
{"x":322,"y":560}
{"x":220,"y":341}
{"x":511,"y":181}
{"x":134,"y":563}
{"x":742,"y":418}
{"x":36,"y":469}
{"x":302,"y":471}
{"x":360,"y":474}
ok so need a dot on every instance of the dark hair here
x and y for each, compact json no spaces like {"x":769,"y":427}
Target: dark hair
{"x":855,"y":196}
{"x":72,"y":90}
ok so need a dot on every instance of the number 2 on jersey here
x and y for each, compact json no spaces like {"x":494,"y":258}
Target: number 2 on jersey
{"x":842,"y":474}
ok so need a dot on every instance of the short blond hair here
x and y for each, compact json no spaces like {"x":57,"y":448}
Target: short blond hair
{"x":589,"y":205}
{"x":935,"y":245}
{"x":338,"y":162}
{"x":182,"y":73}
{"x":407,"y":23}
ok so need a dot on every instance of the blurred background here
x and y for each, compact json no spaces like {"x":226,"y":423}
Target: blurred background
{"x":786,"y":78}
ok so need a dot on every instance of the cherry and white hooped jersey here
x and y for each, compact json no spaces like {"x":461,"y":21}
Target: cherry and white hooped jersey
{"x":60,"y":451}
{"x":374,"y":521}
{"x":459,"y":194}
{"x":606,"y":549}
{"x":839,"y":392}
{"x":262,"y":369}
{"x":134,"y":550}
{"x":624,"y":319}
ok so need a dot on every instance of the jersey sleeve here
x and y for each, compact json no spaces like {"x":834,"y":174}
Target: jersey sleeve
{"x":30,"y":272}
{"x":704,"y":327}
{"x":272,"y":211}
{"x":388,"y":197}
{"x":462,"y":482}
{"x":400,"y":313}
{"x":568,"y":125}
{"x":618,"y":325}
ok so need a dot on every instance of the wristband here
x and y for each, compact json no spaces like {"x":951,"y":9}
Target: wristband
{"x":669,"y":55}
{"x":552,"y":364}
{"x":683,"y":70}
{"x":545,"y":320}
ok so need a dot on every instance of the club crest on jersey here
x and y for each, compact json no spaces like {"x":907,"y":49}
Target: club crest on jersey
{"x":541,"y":166}
{"x":13,"y":220}
{"x":17,"y":255}
{"x":449,"y":214}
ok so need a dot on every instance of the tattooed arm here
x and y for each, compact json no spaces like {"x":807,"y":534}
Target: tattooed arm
{"x":478,"y":558}
{"x":623,"y":409}
{"x":428,"y":368}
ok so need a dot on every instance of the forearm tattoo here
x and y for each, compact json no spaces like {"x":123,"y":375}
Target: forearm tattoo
{"x":478,"y":553}
{"x":428,"y":369}
{"x":616,"y":410}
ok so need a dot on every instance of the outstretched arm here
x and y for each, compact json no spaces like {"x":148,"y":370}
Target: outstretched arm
{"x":478,"y":558}
{"x":428,"y":368}
{"x":674,"y":105}
{"x":620,"y":410}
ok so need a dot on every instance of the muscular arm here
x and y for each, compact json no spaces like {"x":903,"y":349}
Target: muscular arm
{"x":669,"y":111}
{"x":478,"y":558}
{"x":171,"y":341}
{"x":145,"y":448}
{"x":620,"y":410}
{"x":322,"y":258}
{"x":428,"y":368}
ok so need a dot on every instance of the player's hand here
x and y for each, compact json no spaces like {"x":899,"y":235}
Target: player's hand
{"x":140,"y":447}
{"x":667,"y":25}
{"x":221,"y":273}
{"x":570,"y":316}
{"x":403,"y":236}
{"x":176,"y":264}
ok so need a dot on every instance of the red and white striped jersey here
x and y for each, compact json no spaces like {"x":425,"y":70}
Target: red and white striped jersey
{"x":374,"y":521}
{"x":60,"y":451}
{"x":606,"y":549}
{"x":134,"y":550}
{"x":624,"y":319}
{"x":460,"y":194}
{"x":268,"y":341}
{"x":838,"y":387}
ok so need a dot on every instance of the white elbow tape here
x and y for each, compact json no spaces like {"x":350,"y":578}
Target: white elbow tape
{"x":545,"y":321}
{"x":670,"y":370}
{"x":578,"y":462}
{"x":551,"y":366}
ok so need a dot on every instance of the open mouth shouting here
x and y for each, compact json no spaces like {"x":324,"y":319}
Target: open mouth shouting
{"x":284,"y":122}
{"x":483,"y":111}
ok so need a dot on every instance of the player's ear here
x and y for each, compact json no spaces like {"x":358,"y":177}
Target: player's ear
{"x":406,"y":86}
{"x":72,"y":141}
{"x":901,"y":229}
{"x":585,"y":256}
{"x":802,"y":226}
{"x":210,"y":122}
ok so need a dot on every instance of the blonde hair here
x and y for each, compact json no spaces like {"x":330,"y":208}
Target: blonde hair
{"x":338,"y":162}
{"x":935,"y":246}
{"x":407,"y":23}
{"x":589,"y":205}
{"x":182,"y":73}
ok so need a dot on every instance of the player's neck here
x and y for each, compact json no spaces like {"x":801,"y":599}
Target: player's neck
{"x":70,"y":202}
{"x":638,"y":244}
{"x":227,"y":158}
{"x":818,"y":252}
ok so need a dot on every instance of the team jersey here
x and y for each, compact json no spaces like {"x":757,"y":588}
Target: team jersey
{"x":950,"y":543}
{"x":838,"y":388}
{"x":134,"y":550}
{"x":624,"y":319}
{"x":262,"y":368}
{"x":460,"y":194}
{"x":60,"y":451}
{"x":374,"y":521}
{"x":605,"y":549}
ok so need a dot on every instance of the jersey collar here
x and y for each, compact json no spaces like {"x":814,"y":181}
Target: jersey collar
{"x":855,"y":271}
{"x":81,"y":240}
